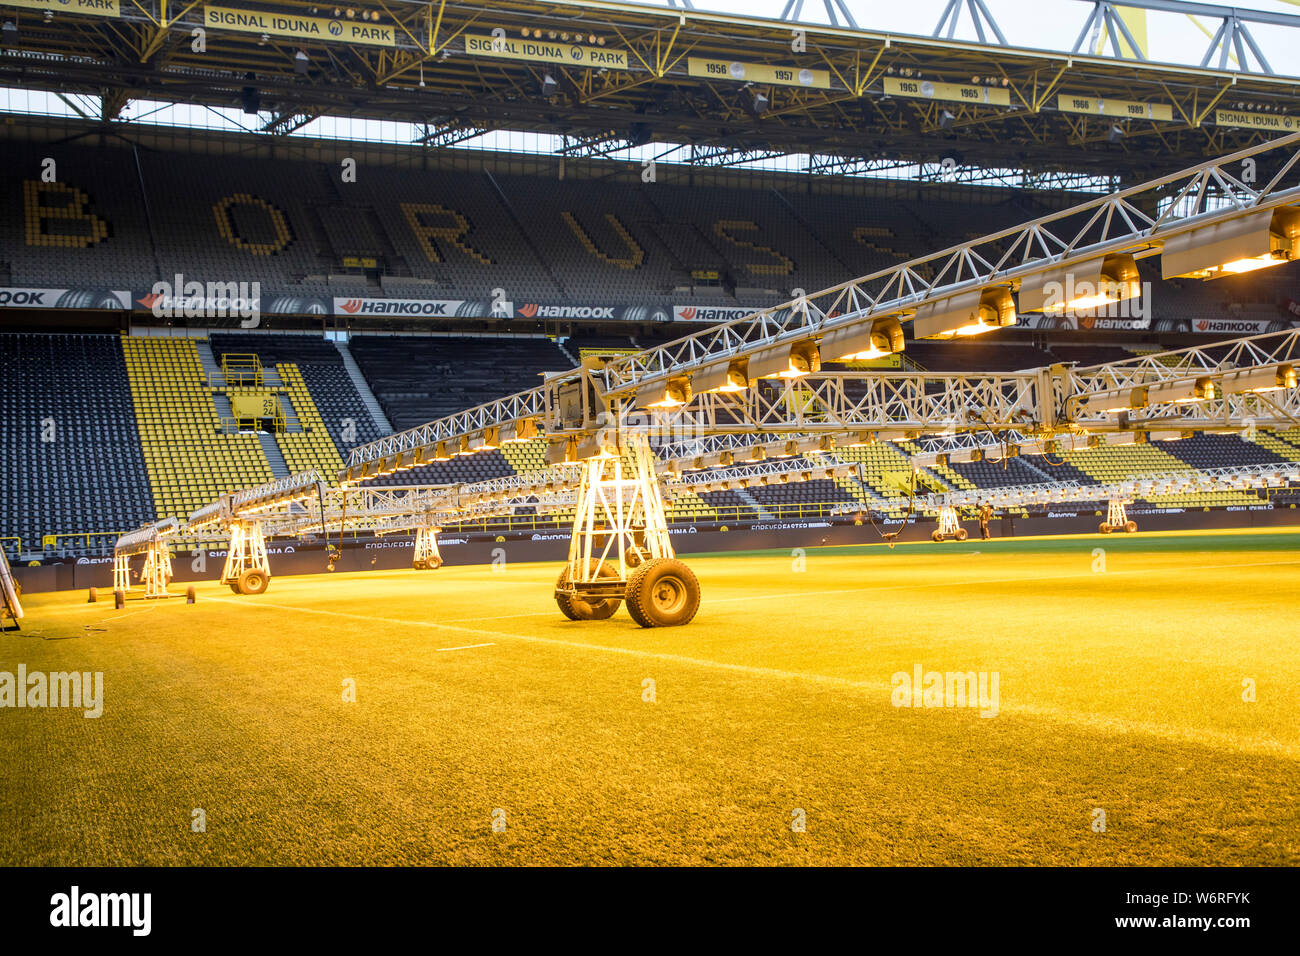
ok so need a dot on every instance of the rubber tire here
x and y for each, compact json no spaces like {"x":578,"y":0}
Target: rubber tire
{"x":418,"y":564}
{"x":433,"y":564}
{"x":253,"y":581}
{"x":234,"y":586}
{"x":936,"y":537}
{"x":1130,"y":526}
{"x":961,"y":534}
{"x":119,"y":600}
{"x":633,"y":558}
{"x":576,"y":609}
{"x":1105,"y":528}
{"x":644,"y":588}
{"x":92,"y":596}
{"x":190,"y":595}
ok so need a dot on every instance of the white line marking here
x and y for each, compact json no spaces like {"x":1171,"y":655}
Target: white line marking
{"x":467,"y":647}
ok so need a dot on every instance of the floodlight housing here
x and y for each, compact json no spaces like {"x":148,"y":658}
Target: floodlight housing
{"x":521,"y":430}
{"x":868,"y":340}
{"x":730,"y":377}
{"x":1118,"y":438}
{"x":1115,"y":400}
{"x":967,"y":313}
{"x":1082,"y":286}
{"x":1183,"y":391}
{"x":1266,"y":379}
{"x":786,"y":361}
{"x":673,"y":393}
{"x":489,"y":439}
{"x":817,"y":445}
{"x":1244,"y":244}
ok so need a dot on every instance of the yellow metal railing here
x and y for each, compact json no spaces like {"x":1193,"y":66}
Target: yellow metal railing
{"x":241,"y":368}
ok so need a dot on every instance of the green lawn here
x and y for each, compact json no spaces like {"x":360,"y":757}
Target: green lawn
{"x":1119,"y":689}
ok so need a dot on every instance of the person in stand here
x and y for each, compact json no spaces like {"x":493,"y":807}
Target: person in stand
{"x":985,"y":514}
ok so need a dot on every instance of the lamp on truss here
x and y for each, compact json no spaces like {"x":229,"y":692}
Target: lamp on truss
{"x":1257,"y":241}
{"x":1082,"y":286}
{"x":1266,"y":379}
{"x":786,"y":361}
{"x":967,"y":313}
{"x":730,"y":377}
{"x":860,"y":343}
{"x":673,"y":393}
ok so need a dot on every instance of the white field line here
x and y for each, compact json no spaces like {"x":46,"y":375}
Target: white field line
{"x":467,"y":647}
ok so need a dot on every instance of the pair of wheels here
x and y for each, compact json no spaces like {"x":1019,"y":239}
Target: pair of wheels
{"x":1129,"y":526}
{"x":252,"y":581}
{"x":958,"y":535}
{"x":662,"y":592}
{"x":427,"y":564}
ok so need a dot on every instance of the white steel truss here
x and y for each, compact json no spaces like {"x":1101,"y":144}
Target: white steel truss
{"x":1241,"y":478}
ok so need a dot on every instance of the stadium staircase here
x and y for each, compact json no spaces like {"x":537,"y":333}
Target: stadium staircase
{"x":279,"y":468}
{"x":376,"y":411}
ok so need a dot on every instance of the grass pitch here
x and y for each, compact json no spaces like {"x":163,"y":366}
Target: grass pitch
{"x":1121,"y":689}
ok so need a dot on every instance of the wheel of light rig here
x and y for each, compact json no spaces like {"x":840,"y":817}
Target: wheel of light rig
{"x":1130,"y":526}
{"x":575,"y":608}
{"x":1105,"y":528}
{"x":253,"y":581}
{"x":433,"y":563}
{"x":419,"y":564}
{"x":663,"y":592}
{"x":961,"y":534}
{"x":936,"y":536}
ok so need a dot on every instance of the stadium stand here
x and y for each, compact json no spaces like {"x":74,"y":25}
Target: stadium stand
{"x":67,"y":437}
{"x":132,"y":218}
{"x":419,"y":378}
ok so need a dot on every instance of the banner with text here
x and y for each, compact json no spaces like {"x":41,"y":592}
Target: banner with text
{"x":545,"y":51}
{"x":88,"y":8}
{"x":948,"y":92}
{"x":400,"y":308}
{"x":1118,"y":109}
{"x":739,"y":72}
{"x":16,"y":298}
{"x":298,"y":26}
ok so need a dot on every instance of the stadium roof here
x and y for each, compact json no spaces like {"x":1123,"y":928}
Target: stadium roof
{"x":609,"y":75}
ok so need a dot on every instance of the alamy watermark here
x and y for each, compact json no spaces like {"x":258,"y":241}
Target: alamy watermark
{"x":207,"y":300}
{"x":72,"y":689}
{"x":923,"y":688}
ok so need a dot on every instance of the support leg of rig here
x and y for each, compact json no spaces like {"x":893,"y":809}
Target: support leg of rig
{"x":1117,"y":517}
{"x":247,"y":570}
{"x":427,"y":557}
{"x":949,"y":526}
{"x":122,"y":572}
{"x":11,"y":608}
{"x":619,"y":548}
{"x":157,"y":570}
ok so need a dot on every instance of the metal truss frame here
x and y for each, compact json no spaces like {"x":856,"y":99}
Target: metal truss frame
{"x":1236,"y":478}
